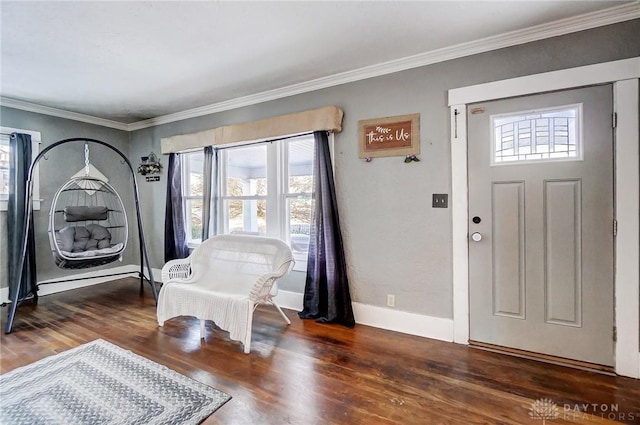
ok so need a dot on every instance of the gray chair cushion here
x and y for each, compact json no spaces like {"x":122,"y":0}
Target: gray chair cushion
{"x":65,"y":237}
{"x":80,"y":238}
{"x":83,"y":213}
{"x":100,"y":234}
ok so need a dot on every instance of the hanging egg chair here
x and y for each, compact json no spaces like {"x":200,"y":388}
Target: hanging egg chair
{"x":87,"y":224}
{"x":87,"y":227}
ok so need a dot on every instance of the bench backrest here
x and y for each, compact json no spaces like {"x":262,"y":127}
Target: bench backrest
{"x":232,"y":263}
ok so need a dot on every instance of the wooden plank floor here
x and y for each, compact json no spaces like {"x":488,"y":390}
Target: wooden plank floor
{"x":310,"y":373}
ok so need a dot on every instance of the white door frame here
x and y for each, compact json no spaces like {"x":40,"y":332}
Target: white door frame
{"x":623,"y":74}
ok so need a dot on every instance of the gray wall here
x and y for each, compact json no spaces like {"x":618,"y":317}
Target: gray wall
{"x":395,"y":242}
{"x":63,"y":162}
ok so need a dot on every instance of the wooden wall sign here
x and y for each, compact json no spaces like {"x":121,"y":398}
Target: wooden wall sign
{"x":390,"y":136}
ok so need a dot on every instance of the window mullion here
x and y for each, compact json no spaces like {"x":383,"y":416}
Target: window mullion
{"x":283,"y":186}
{"x":223,"y":213}
{"x":273,"y":210}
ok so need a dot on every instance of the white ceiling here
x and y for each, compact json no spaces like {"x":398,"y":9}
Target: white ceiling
{"x":131,"y":61}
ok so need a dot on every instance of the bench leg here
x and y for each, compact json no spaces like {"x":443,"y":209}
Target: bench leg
{"x":201,"y":328}
{"x":282,"y":313}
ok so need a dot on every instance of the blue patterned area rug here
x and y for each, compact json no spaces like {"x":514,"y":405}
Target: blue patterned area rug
{"x":101,"y":383}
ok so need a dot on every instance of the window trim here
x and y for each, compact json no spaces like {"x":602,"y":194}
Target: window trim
{"x":269,"y":198}
{"x":36,"y":139}
{"x":277,"y":197}
{"x":277,"y":192}
{"x":300,"y":258}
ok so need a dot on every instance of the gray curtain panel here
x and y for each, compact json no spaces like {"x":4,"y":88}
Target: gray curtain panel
{"x":326,"y":294}
{"x":210,"y":194}
{"x":22,"y":270}
{"x":175,"y":238}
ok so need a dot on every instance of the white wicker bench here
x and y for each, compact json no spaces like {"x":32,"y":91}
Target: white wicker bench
{"x":224,"y":280}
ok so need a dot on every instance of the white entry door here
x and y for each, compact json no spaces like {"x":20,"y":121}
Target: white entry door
{"x":541,"y":228}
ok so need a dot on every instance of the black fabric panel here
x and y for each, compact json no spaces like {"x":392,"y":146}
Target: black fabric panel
{"x":175,"y":239}
{"x":326,"y":295}
{"x":25,"y":283}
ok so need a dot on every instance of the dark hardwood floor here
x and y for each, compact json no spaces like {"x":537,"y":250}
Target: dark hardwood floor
{"x":309,"y":373}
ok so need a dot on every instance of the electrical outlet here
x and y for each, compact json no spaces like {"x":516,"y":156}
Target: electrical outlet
{"x":391,"y":300}
{"x":440,"y":200}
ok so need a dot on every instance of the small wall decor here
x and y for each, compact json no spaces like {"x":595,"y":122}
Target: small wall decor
{"x":390,"y":136}
{"x":149,"y":165}
{"x":411,"y":158}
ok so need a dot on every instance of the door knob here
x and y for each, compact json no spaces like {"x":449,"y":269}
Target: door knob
{"x":476,"y":237}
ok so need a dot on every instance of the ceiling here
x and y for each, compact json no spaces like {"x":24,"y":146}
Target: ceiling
{"x":138,"y":60}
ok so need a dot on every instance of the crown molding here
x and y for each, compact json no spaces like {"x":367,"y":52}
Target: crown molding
{"x":586,"y":21}
{"x":61,"y":113}
{"x":573,"y":24}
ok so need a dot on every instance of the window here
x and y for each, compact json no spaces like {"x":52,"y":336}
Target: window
{"x":299,"y":189}
{"x":265,"y":189}
{"x":192,"y":192}
{"x":244,"y":192}
{"x":4,"y":165}
{"x":542,"y":135}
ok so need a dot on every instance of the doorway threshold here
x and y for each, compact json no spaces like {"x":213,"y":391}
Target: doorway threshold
{"x":545,"y":358}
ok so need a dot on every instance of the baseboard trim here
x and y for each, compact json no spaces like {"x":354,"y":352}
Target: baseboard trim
{"x":290,"y":300}
{"x":404,"y":322}
{"x":91,"y":278}
{"x":369,"y":315}
{"x":385,"y":318}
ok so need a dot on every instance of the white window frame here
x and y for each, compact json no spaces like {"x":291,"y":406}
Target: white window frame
{"x":277,"y":194}
{"x":270,"y":197}
{"x":286,"y":195}
{"x":36,"y":139}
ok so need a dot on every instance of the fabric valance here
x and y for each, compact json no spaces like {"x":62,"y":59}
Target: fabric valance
{"x":328,"y":118}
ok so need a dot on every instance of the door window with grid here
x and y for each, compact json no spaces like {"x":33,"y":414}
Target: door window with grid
{"x":549,"y":134}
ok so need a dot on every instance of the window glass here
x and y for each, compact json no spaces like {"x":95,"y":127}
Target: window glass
{"x":299,"y":217}
{"x":195,"y":183}
{"x":194,"y":219}
{"x":300,"y":154}
{"x":300,"y":166}
{"x":247,"y":171}
{"x":247,"y":216}
{"x":550,"y":134}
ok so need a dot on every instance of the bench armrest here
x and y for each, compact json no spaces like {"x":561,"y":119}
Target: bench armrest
{"x":261,"y":291}
{"x":176,"y":269}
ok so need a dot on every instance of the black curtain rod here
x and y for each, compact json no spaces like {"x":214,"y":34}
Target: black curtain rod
{"x":9,"y":134}
{"x":265,"y":141}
